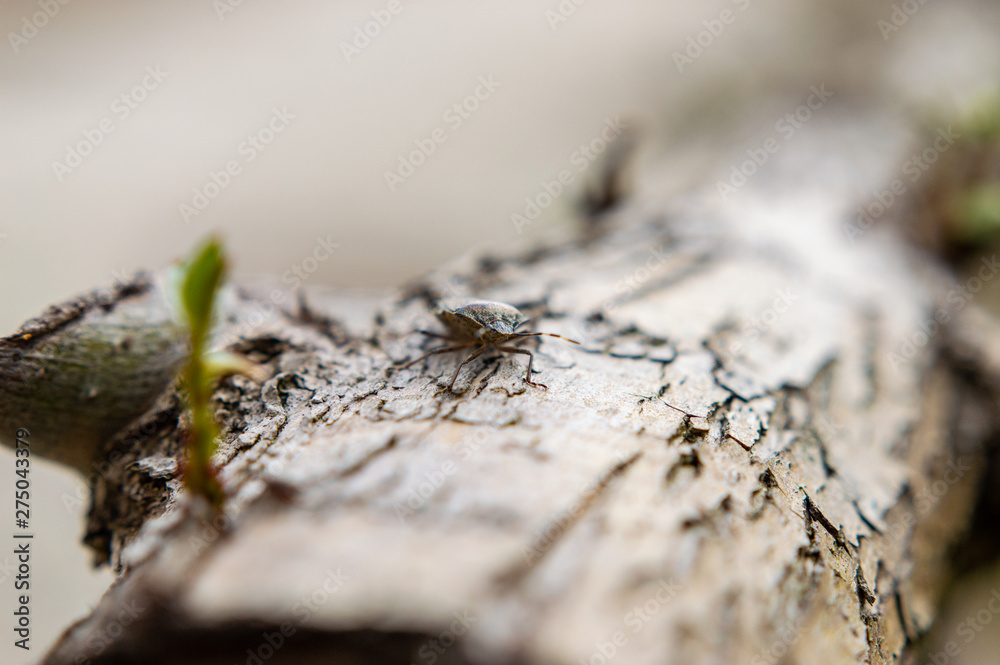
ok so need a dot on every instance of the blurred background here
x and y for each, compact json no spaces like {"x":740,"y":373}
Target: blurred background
{"x":360,"y":144}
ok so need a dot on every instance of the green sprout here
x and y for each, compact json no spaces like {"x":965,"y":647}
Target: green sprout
{"x":201,"y":277}
{"x":199,"y":280}
{"x":979,"y":210}
{"x":977,"y":205}
{"x":956,"y":209}
{"x":982,"y":122}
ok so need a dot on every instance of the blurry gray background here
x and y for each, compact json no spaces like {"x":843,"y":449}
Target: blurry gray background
{"x":224,"y":68}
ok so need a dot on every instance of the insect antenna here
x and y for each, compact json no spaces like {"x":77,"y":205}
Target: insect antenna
{"x":537,"y":334}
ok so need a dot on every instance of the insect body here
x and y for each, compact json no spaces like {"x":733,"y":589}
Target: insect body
{"x":486,"y":324}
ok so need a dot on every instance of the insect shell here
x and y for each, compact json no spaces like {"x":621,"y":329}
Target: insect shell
{"x":482,"y":323}
{"x":483,"y":320}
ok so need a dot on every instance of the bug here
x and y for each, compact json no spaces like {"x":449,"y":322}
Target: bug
{"x":486,"y":324}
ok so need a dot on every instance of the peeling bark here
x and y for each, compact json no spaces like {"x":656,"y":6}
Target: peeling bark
{"x":735,"y":468}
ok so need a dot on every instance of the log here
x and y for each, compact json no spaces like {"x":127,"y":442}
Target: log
{"x":744,"y":461}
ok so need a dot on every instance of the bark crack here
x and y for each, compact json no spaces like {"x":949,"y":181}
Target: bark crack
{"x":534,"y":554}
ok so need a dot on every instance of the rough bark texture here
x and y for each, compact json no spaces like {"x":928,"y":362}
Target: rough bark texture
{"x":734,"y":469}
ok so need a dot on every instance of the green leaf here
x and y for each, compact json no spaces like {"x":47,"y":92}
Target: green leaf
{"x":983,"y":120}
{"x":203,"y":275}
{"x":196,"y":284}
{"x":223,"y":363}
{"x":979,"y":213}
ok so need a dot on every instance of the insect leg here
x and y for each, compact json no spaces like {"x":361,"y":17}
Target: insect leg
{"x":475,"y":354}
{"x":443,"y":349}
{"x":437,"y":335}
{"x":531,"y":357}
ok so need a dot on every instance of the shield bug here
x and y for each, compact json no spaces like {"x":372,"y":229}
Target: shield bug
{"x":485,"y":324}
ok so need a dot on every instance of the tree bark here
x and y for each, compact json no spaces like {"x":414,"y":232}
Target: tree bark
{"x":759,"y":455}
